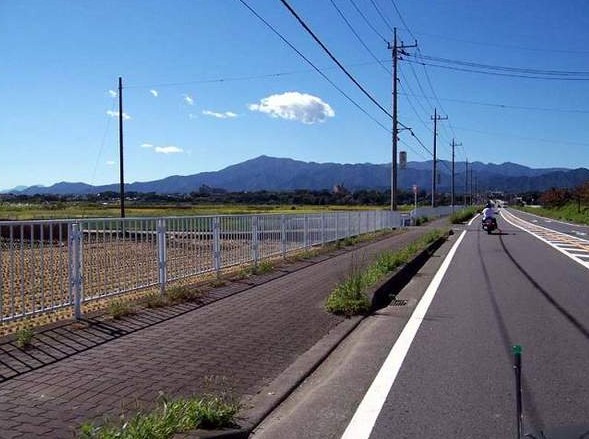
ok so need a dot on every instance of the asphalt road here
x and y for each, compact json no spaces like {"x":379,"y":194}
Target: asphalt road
{"x":457,"y":379}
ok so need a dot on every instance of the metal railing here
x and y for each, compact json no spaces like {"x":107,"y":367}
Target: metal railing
{"x":47,"y":266}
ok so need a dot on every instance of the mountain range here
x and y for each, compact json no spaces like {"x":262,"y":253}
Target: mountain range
{"x":284,"y":174}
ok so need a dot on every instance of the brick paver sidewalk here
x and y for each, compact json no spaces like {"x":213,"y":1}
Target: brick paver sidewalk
{"x":239,"y":343}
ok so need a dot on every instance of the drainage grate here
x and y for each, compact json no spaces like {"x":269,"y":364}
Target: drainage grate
{"x":398,"y":302}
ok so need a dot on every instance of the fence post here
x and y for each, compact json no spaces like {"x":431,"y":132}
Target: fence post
{"x":283,"y":235}
{"x":336,"y":226}
{"x":162,"y":254}
{"x":255,"y":240}
{"x":306,"y":232}
{"x":322,"y":229}
{"x":76,"y":279}
{"x":349,"y":224}
{"x":217,"y":245}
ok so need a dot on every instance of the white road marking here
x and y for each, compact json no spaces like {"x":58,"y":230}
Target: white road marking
{"x":367,"y":412}
{"x":564,"y":248}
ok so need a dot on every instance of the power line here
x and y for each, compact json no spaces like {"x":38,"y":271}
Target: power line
{"x":358,"y":37}
{"x":333,"y":58}
{"x":491,"y":73}
{"x":515,"y":107}
{"x":505,"y":46}
{"x":381,"y":15}
{"x":313,"y":65}
{"x":526,"y":70}
{"x":368,"y":22}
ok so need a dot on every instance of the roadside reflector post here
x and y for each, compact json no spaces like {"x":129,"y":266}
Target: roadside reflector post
{"x":517,"y":367}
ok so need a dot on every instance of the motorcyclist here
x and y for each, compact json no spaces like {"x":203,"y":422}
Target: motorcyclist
{"x":489,"y":213}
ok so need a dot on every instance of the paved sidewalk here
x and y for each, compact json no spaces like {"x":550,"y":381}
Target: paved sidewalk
{"x":241,"y":342}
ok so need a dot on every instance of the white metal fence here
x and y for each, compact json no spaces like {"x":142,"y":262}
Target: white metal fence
{"x":47,"y":266}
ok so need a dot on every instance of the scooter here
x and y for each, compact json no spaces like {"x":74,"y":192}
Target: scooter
{"x":489,"y":225}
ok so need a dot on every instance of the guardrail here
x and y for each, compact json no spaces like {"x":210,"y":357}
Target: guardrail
{"x":47,"y":266}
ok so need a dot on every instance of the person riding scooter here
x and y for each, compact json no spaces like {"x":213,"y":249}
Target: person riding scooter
{"x":489,"y":213}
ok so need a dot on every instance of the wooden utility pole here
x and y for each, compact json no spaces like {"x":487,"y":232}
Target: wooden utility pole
{"x":397,"y":51}
{"x":435,"y":118}
{"x":121,"y":165}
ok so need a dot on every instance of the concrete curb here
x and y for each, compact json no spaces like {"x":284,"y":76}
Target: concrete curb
{"x":259,"y":406}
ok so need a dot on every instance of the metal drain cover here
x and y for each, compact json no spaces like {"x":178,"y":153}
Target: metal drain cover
{"x":398,"y":302}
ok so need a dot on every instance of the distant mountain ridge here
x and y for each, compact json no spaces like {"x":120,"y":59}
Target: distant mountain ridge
{"x":284,"y":174}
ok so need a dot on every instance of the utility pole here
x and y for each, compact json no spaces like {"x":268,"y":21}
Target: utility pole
{"x":435,"y":118}
{"x":471,"y":186}
{"x":397,"y":50}
{"x":466,"y":183}
{"x":121,"y":166}
{"x":454,"y":144}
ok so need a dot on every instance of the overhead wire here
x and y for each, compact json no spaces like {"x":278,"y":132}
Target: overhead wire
{"x":342,"y":15}
{"x":333,"y":58}
{"x":358,"y":37}
{"x":526,"y":70}
{"x":367,"y":21}
{"x":495,"y":73}
{"x":313,"y":65}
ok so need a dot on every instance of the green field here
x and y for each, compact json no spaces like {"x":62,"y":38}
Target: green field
{"x":571,"y":212}
{"x":72,"y":210}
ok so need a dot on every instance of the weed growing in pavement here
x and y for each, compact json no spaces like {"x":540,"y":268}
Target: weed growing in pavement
{"x":155,"y":300}
{"x":120,"y":308}
{"x":264,"y":267}
{"x":349,"y":297}
{"x":168,"y":419}
{"x":24,"y":337}
{"x":182,"y":294}
{"x":215,"y":283}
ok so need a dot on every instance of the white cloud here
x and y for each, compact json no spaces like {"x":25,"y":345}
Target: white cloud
{"x":112,"y":93}
{"x":303,"y":107}
{"x":224,"y":115}
{"x":154,"y":93}
{"x":188,"y":100}
{"x":168,"y":149}
{"x":146,"y":145}
{"x":110,"y":162}
{"x":116,"y":114}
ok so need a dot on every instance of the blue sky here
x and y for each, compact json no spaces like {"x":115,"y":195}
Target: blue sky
{"x":208,"y":85}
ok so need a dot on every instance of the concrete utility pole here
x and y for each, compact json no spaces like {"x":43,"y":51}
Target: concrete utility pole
{"x":435,"y":118}
{"x":454,"y":144}
{"x":466,"y":183}
{"x":397,"y":51}
{"x":121,"y":166}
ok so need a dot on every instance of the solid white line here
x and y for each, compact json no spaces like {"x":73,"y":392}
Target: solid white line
{"x":554,"y":246}
{"x":367,"y":412}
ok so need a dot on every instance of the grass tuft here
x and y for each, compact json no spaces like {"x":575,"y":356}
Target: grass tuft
{"x":168,"y":419}
{"x":349,"y":297}
{"x":24,"y":337}
{"x":183,"y":294}
{"x":120,"y":308}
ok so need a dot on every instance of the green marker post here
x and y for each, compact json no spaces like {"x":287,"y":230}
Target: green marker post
{"x":517,"y":367}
